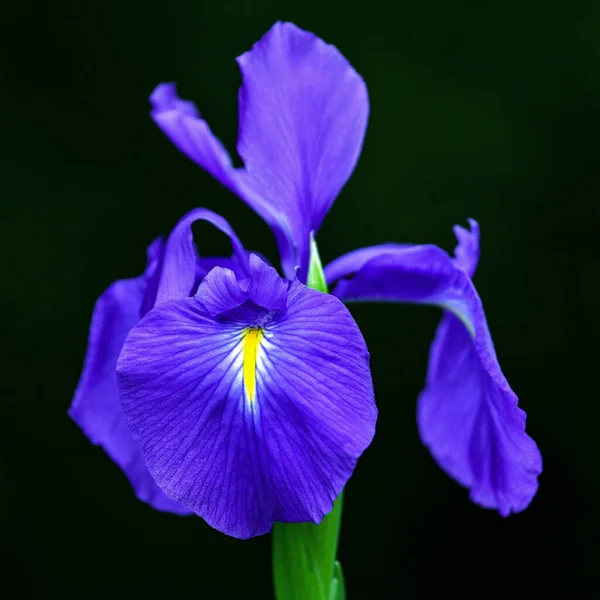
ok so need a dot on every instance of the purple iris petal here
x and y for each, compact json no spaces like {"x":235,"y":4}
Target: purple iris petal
{"x":206,"y":264}
{"x":303,"y":115}
{"x":253,"y":414}
{"x":266,"y":288}
{"x":171,"y":273}
{"x":178,"y":272}
{"x":467,"y":414}
{"x":96,"y":407}
{"x":183,"y":125}
{"x":466,"y":254}
{"x":220,"y":291}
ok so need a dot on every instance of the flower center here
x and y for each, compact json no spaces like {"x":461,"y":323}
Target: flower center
{"x":251,"y":340}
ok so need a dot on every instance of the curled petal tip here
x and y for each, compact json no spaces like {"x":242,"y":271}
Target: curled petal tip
{"x":466,"y":253}
{"x":165,"y":98}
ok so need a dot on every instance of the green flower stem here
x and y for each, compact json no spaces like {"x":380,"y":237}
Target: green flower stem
{"x":304,"y":564}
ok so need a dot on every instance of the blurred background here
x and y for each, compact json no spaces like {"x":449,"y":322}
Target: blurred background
{"x":489,"y":110}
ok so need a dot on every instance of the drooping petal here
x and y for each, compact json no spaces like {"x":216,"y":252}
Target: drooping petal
{"x":303,"y":116}
{"x":467,"y":393}
{"x":182,"y":124}
{"x":249,"y":424}
{"x":468,"y":415}
{"x":171,"y":272}
{"x":96,"y":407}
{"x":352,"y":262}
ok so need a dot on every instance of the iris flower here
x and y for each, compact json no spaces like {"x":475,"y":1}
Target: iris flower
{"x":248,"y":403}
{"x":247,"y":398}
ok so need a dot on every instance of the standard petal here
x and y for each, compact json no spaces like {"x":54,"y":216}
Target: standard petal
{"x":303,"y":114}
{"x":220,"y":292}
{"x":182,"y":124}
{"x":178,"y":270}
{"x":96,"y":407}
{"x":266,"y":288}
{"x":241,"y":459}
{"x":468,"y":415}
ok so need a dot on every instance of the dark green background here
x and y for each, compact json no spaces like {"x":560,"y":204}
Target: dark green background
{"x":488,"y":110}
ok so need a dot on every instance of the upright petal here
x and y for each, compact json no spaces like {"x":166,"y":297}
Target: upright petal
{"x":468,"y":415}
{"x":189,"y":132}
{"x":182,"y":124}
{"x":96,"y":407}
{"x":303,"y":116}
{"x":220,"y":292}
{"x":266,"y":288}
{"x":250,"y":422}
{"x":178,"y":269}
